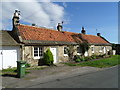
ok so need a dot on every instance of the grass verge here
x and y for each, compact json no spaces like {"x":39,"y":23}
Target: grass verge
{"x":106,"y":62}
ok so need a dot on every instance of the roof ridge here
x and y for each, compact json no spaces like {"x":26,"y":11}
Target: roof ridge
{"x":48,"y":29}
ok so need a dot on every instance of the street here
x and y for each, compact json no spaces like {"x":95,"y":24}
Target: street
{"x":107,"y":78}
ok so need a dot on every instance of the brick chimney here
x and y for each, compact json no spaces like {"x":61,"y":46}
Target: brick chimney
{"x":16,"y":18}
{"x":83,"y":31}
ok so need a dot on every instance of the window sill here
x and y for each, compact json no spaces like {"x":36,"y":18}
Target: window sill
{"x":65,"y":54}
{"x":93,"y":52}
{"x":37,"y":57}
{"x":78,"y":53}
{"x":100,"y":51}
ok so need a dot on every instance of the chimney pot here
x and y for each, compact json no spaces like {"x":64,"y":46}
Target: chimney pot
{"x":33,"y":24}
{"x":83,"y":31}
{"x":98,"y":34}
{"x":15,"y":19}
{"x":59,"y":27}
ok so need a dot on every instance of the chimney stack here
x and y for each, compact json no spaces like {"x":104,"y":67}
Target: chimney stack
{"x":33,"y":24}
{"x":98,"y":34}
{"x":59,"y":27}
{"x":16,"y":18}
{"x":83,"y":31}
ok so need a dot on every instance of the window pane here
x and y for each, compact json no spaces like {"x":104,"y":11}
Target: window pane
{"x":40,"y":51}
{"x":35,"y":49}
{"x":92,"y":48}
{"x":35,"y":54}
{"x":78,"y":50}
{"x":65,"y":50}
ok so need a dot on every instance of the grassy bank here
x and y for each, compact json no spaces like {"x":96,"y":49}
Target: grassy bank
{"x":106,"y":62}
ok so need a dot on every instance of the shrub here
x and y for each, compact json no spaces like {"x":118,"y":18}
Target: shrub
{"x":48,"y":57}
{"x":94,"y":56}
{"x":27,"y":65}
{"x":88,"y":58}
{"x":82,"y":59}
{"x":76,"y":57}
{"x":77,"y":60}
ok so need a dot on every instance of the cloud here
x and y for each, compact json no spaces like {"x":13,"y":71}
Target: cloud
{"x":46,"y":14}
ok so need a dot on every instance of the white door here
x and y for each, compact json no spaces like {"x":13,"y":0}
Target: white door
{"x":54,"y":52}
{"x":9,"y":56}
{"x":1,"y":59}
{"x":104,"y":50}
{"x":86,"y":53}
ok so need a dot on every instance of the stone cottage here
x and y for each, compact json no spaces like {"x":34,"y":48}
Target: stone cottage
{"x":34,"y":41}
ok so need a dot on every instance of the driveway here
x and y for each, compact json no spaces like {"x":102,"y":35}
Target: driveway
{"x":47,"y":75}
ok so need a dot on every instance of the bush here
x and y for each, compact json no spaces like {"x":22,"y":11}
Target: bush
{"x":77,"y":57}
{"x":48,"y":57}
{"x":77,"y":60}
{"x":27,"y":65}
{"x":88,"y":58}
{"x":94,"y":56}
{"x":82,"y":59}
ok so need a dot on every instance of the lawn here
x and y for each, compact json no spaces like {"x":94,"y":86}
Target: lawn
{"x":13,"y":71}
{"x":106,"y":62}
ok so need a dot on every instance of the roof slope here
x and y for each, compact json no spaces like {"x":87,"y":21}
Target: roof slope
{"x":6,"y":38}
{"x":94,"y":39}
{"x":32,"y":34}
{"x":43,"y":34}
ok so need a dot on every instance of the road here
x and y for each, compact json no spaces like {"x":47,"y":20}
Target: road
{"x":107,"y":78}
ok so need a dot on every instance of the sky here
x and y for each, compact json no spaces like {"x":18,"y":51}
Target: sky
{"x":95,"y":17}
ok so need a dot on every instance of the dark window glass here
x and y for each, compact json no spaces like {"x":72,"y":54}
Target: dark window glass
{"x":78,"y":50}
{"x":38,"y":51}
{"x":65,"y":50}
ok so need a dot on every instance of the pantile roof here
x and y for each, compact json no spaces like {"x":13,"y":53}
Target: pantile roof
{"x":32,"y":33}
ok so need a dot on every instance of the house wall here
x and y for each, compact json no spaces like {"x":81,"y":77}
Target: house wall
{"x":28,"y":54}
{"x":61,"y":57}
{"x":97,"y":50}
{"x":60,"y":53}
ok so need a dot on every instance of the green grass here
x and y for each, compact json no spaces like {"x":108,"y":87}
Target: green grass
{"x":10,"y":71}
{"x":13,"y":71}
{"x":106,"y":62}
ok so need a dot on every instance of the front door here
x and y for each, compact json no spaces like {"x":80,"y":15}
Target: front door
{"x":54,"y":52}
{"x":104,"y":50}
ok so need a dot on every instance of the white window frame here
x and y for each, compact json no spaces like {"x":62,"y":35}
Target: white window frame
{"x":63,"y":51}
{"x":38,"y":57}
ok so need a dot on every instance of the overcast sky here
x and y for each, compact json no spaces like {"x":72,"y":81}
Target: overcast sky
{"x":99,"y":17}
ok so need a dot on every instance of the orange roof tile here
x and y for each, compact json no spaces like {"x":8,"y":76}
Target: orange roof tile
{"x":44,"y":34}
{"x":37,"y":33}
{"x":94,"y":39}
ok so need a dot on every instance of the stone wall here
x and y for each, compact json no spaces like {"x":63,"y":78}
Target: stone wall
{"x":28,"y":53}
{"x":28,"y":56}
{"x":99,"y":50}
